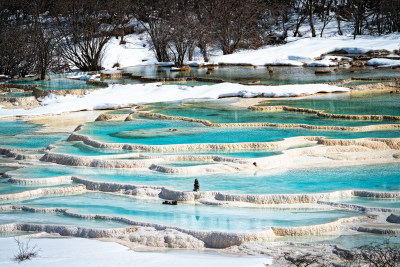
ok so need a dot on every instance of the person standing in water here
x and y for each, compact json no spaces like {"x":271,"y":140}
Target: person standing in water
{"x":196,"y":185}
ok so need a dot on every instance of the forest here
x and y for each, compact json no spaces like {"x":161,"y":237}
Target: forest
{"x":52,"y":36}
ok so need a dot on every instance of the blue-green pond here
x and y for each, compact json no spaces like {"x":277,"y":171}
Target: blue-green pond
{"x":382,"y":177}
{"x":190,"y":216}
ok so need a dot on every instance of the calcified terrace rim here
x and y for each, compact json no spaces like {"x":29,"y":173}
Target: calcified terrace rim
{"x":393,"y":143}
{"x":189,"y":196}
{"x":321,"y":113}
{"x":208,"y":123}
{"x":371,"y":143}
{"x":213,"y":239}
{"x":87,"y":140}
{"x":44,"y":191}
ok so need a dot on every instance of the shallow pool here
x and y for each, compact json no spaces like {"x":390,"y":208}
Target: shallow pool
{"x":382,"y":177}
{"x":54,"y":218}
{"x":197,"y":216}
{"x":372,"y":202}
{"x":56,"y":82}
{"x":281,"y":75}
{"x":366,"y":104}
{"x":156,"y":132}
{"x":341,"y":103}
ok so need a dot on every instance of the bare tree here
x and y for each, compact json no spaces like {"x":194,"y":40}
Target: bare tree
{"x":84,"y":31}
{"x":324,"y":10}
{"x":154,"y":15}
{"x":16,"y":52}
{"x":234,"y":21}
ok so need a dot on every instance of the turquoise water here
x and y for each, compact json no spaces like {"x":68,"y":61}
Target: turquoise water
{"x":44,"y":171}
{"x":199,"y":217}
{"x":50,"y":218}
{"x":372,"y":202}
{"x":4,"y":169}
{"x":376,"y":104}
{"x":32,"y":141}
{"x":373,"y":177}
{"x":156,"y":132}
{"x":57,"y":82}
{"x":17,"y":127}
{"x":8,"y":188}
{"x":229,"y":114}
{"x":383,"y":177}
{"x":281,"y":75}
{"x":21,"y":134}
{"x":79,"y":148}
{"x":25,"y":94}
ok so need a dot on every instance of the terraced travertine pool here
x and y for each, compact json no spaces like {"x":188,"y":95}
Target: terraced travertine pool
{"x":242,"y":188}
{"x":378,"y":104}
{"x":197,"y":217}
{"x":369,"y":104}
{"x":48,"y":218}
{"x":382,"y":177}
{"x":281,"y":75}
{"x":156,"y":132}
{"x":55,"y":82}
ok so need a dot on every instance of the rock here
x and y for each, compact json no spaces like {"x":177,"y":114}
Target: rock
{"x":323,"y":71}
{"x":393,"y":218}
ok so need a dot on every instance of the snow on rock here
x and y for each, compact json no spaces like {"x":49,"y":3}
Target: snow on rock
{"x":327,"y":61}
{"x":123,"y":95}
{"x":167,"y":64}
{"x":304,"y":50}
{"x":383,"y":62}
{"x":84,"y":252}
{"x":196,"y":63}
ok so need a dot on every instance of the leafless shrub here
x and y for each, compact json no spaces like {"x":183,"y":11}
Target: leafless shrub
{"x":376,"y":255}
{"x":25,"y":251}
{"x":307,"y":259}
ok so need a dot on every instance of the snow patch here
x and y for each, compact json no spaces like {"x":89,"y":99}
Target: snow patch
{"x":83,"y":252}
{"x":117,"y":95}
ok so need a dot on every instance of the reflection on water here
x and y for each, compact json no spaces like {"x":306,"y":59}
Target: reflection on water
{"x":191,"y":216}
{"x":281,"y":75}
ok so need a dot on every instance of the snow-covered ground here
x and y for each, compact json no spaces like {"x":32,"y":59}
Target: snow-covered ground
{"x":84,"y":252}
{"x":296,"y":52}
{"x":123,"y":95}
{"x":304,"y":50}
{"x":136,"y":51}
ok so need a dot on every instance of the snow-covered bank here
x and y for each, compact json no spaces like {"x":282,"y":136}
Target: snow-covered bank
{"x":84,"y":252}
{"x":296,"y":52}
{"x":304,"y":50}
{"x":123,"y":95}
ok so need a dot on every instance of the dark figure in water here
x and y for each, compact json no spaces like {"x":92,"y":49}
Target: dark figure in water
{"x":196,"y":185}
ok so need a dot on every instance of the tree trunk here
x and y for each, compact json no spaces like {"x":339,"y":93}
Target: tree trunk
{"x":339,"y":27}
{"x":311,"y":14}
{"x":203,"y":48}
{"x":191,"y":52}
